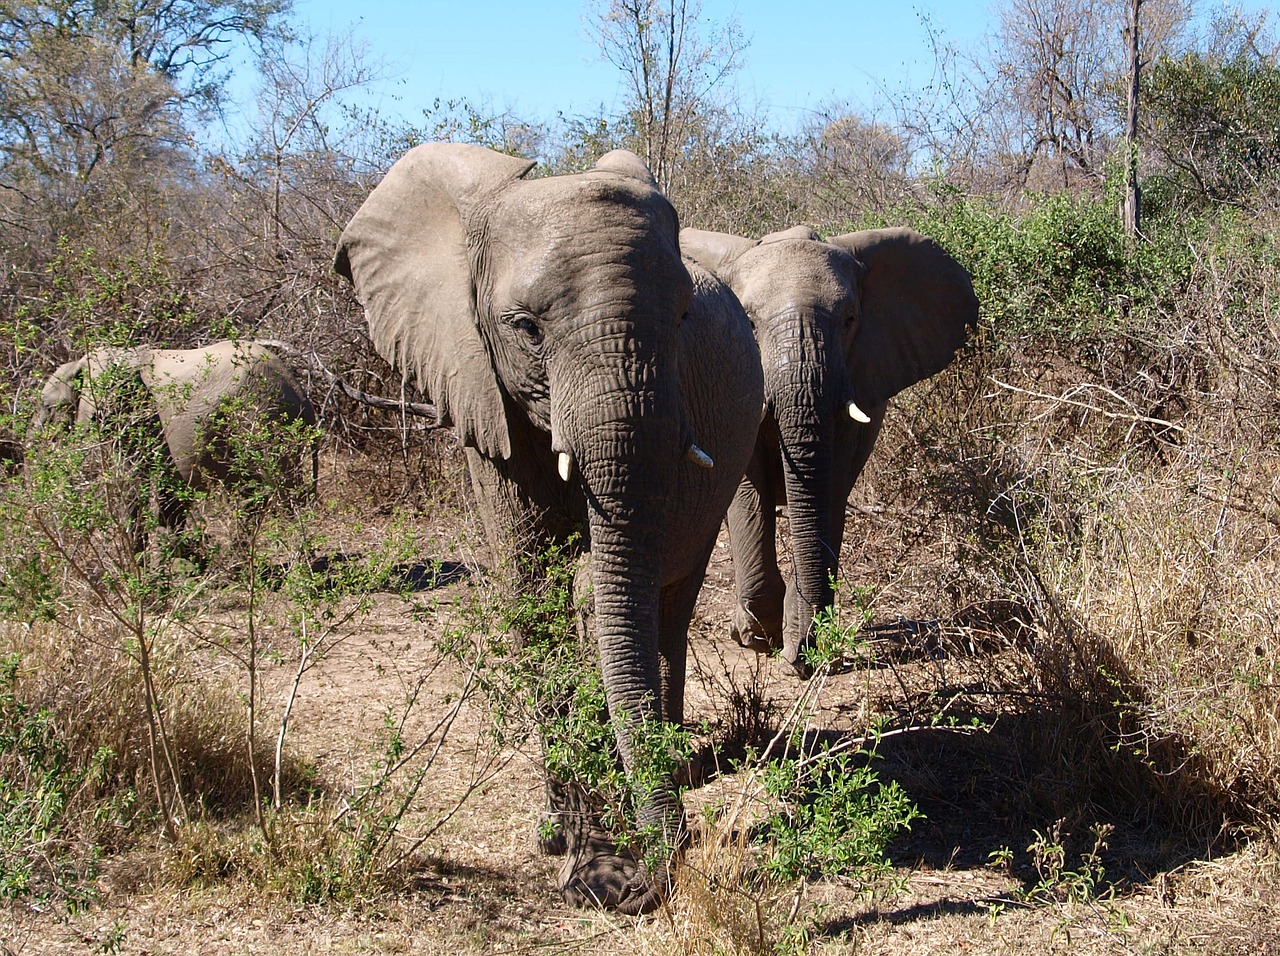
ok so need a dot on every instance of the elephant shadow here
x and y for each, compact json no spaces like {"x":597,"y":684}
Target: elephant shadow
{"x":981,"y":628}
{"x":1001,"y":776}
{"x":341,"y":571}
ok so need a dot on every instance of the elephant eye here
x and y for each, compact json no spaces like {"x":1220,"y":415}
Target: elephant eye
{"x":526,"y":324}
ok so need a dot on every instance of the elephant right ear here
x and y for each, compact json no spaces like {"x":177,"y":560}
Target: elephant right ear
{"x":405,"y":252}
{"x":714,"y":251}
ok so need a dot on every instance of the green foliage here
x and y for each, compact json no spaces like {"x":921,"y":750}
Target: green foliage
{"x":1061,"y":271}
{"x":87,"y":298}
{"x":834,"y":816}
{"x":1216,"y":128}
{"x":540,"y":675}
{"x":837,"y":817}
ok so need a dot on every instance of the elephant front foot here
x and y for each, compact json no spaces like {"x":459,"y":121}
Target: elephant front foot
{"x":798,"y":637}
{"x":599,"y":874}
{"x":752,"y":633}
{"x":792,"y":662}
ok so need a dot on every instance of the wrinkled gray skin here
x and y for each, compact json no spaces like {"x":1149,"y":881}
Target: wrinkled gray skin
{"x":858,"y":318}
{"x":170,"y":396}
{"x":551,"y":317}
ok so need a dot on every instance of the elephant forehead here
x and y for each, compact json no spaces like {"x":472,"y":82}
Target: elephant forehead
{"x":796,"y":275}
{"x":576,"y":244}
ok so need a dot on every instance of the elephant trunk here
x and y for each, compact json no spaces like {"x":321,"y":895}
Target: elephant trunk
{"x":626,"y":445}
{"x":626,"y":581}
{"x":806,"y":391}
{"x":806,"y":436}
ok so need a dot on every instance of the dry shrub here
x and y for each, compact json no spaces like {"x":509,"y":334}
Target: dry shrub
{"x":92,"y":689}
{"x":1148,"y":571}
{"x":1122,"y":495}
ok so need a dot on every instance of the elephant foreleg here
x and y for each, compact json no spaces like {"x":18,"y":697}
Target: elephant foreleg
{"x":756,"y":620}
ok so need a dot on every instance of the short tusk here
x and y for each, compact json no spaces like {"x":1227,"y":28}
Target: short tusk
{"x":564,"y":465}
{"x":857,"y":414}
{"x":699,"y":457}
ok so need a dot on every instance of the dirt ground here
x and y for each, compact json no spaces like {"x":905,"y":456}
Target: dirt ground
{"x":487,"y":889}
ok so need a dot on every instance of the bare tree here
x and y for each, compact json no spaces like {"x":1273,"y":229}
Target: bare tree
{"x":851,"y":165}
{"x":671,"y":69}
{"x":1042,"y":103}
{"x":95,"y":99}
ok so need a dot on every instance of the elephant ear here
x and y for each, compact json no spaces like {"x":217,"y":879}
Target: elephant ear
{"x":714,"y":251}
{"x":405,"y":252}
{"x":917,"y":304}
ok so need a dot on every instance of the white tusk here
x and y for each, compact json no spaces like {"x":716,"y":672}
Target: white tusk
{"x":699,"y":457}
{"x":857,"y":414}
{"x":564,"y":465}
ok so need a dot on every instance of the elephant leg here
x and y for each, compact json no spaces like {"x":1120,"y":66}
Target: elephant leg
{"x":522,"y":521}
{"x":678,"y":602}
{"x":756,"y":619}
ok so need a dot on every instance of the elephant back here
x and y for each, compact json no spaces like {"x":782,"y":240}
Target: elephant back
{"x":210,"y":397}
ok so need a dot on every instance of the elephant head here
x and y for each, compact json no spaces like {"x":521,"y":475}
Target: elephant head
{"x":60,"y":397}
{"x":843,"y":325}
{"x":68,"y":395}
{"x":542,"y":315}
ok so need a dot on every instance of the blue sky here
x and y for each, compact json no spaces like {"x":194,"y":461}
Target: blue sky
{"x":538,"y":59}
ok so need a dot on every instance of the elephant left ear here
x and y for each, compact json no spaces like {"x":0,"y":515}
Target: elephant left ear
{"x":917,"y":304}
{"x":714,"y":251}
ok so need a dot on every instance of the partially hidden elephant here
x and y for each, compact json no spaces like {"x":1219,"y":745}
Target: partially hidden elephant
{"x":843,"y":325}
{"x":599,"y":387}
{"x":174,"y":410}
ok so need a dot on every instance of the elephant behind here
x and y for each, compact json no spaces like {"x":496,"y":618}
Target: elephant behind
{"x":843,"y":325}
{"x":182,"y":415}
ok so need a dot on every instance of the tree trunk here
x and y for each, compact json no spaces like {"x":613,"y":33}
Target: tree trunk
{"x":1132,"y":194}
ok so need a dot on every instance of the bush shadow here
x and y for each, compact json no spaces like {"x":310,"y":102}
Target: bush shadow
{"x":1067,"y":756}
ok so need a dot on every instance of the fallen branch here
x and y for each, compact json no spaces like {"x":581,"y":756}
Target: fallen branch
{"x":419,"y":409}
{"x":1064,"y":400}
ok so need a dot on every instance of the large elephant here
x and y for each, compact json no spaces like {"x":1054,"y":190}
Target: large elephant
{"x":598,"y":388}
{"x":843,"y":325}
{"x":174,"y":410}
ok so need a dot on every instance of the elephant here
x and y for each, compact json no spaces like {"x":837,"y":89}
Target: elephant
{"x":178,"y":411}
{"x":843,"y":325}
{"x":603,"y":392}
